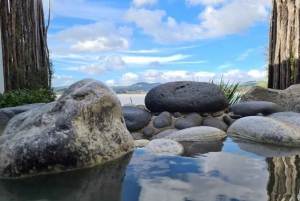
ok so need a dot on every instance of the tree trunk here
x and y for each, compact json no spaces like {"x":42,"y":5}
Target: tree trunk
{"x":24,"y":45}
{"x":284,"y":44}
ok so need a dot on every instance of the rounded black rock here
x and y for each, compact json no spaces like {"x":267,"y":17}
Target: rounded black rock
{"x":135,"y":118}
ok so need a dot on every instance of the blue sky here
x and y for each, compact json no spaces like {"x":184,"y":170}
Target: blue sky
{"x":121,"y":42}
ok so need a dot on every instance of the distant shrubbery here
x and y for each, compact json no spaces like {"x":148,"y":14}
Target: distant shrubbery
{"x":22,"y":97}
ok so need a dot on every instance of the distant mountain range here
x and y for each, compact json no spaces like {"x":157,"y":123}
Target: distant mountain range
{"x":143,"y":87}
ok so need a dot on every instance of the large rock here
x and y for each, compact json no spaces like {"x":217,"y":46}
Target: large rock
{"x":200,"y":133}
{"x":252,"y":108}
{"x":83,"y":128}
{"x":135,"y":118}
{"x":288,"y":98}
{"x":186,"y":96}
{"x":289,"y":117}
{"x":265,"y":130}
{"x":24,"y":108}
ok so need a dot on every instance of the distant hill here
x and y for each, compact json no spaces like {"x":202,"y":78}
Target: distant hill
{"x":252,"y":83}
{"x":135,"y":88}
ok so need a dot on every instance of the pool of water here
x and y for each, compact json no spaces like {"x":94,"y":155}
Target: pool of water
{"x":219,"y":171}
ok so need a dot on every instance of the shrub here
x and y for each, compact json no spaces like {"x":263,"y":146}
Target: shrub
{"x":22,"y":97}
{"x":230,"y":90}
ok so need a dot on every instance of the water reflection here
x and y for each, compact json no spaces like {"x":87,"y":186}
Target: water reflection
{"x":193,"y":149}
{"x":98,"y":183}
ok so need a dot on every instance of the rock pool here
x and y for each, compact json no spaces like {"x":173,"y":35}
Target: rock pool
{"x":229,"y":171}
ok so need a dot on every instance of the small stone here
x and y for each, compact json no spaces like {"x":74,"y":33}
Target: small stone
{"x":205,"y":114}
{"x":228,"y":120}
{"x":235,"y":116}
{"x":217,"y":114}
{"x":164,"y":147}
{"x":148,"y":131}
{"x":164,"y":119}
{"x":176,"y":114}
{"x":191,"y":120}
{"x":214,"y":122}
{"x":163,"y":134}
{"x":141,"y":143}
{"x":135,"y":118}
{"x":137,"y":136}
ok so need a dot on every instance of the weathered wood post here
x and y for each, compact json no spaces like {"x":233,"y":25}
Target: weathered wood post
{"x":284,"y":69}
{"x":1,"y":67}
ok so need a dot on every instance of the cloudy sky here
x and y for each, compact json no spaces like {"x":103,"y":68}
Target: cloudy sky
{"x":121,"y":42}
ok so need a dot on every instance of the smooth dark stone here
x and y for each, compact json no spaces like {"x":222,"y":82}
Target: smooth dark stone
{"x":235,"y":116}
{"x":164,"y":119}
{"x":191,"y":120}
{"x":216,"y":114}
{"x":176,"y":114}
{"x":214,"y":122}
{"x":186,"y":96}
{"x":205,"y":114}
{"x":148,"y":132}
{"x":228,"y":120}
{"x":135,"y":118}
{"x":252,"y":108}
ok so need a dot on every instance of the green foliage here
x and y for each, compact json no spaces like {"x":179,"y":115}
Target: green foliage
{"x":230,"y":90}
{"x":22,"y":97}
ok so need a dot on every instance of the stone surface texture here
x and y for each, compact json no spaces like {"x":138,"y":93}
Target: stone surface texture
{"x":164,"y":133}
{"x":164,"y":147}
{"x":191,"y":120}
{"x":265,"y":130}
{"x":141,"y":143}
{"x":135,"y":118}
{"x":289,"y":117}
{"x":84,"y":127}
{"x":200,"y":133}
{"x":288,"y":98}
{"x":252,"y":108}
{"x":214,"y":122}
{"x":186,"y":96}
{"x":164,"y":119}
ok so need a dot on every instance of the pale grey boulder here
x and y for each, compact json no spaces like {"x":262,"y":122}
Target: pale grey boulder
{"x":164,"y":147}
{"x":191,"y":120}
{"x":252,"y":108}
{"x":200,"y":133}
{"x":163,"y":134}
{"x":135,"y":118}
{"x":265,"y":130}
{"x":289,"y":99}
{"x":84,"y":127}
{"x":289,"y":117}
{"x":186,"y":96}
{"x":164,"y":119}
{"x":24,"y":108}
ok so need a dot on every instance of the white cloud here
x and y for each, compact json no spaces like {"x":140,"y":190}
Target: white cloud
{"x":93,"y":69}
{"x":128,"y":79}
{"x":257,"y":74}
{"x":139,"y":3}
{"x":62,"y":80}
{"x":214,"y":21}
{"x":205,"y":2}
{"x":110,"y":82}
{"x":244,"y":55}
{"x":115,"y":62}
{"x":101,"y":44}
{"x":144,"y":60}
{"x":100,"y":36}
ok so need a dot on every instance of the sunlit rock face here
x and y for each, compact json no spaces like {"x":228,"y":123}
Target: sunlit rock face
{"x":84,"y":127}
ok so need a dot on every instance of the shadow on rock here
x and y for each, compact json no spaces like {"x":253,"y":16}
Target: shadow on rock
{"x":192,"y":149}
{"x":265,"y":150}
{"x":102,"y":182}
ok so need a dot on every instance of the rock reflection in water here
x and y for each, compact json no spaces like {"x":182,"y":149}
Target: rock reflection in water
{"x":103,"y":183}
{"x":283,"y":181}
{"x":192,"y":149}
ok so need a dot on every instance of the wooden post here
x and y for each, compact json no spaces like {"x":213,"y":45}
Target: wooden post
{"x":1,"y":66}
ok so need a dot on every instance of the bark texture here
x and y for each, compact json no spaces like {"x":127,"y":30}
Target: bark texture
{"x":24,"y":43}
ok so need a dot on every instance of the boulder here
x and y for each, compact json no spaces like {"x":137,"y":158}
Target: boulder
{"x":164,"y":147}
{"x":84,"y":127}
{"x":24,"y":108}
{"x":186,"y":96}
{"x":163,"y":134}
{"x":164,"y":119}
{"x":289,"y":99}
{"x":135,"y":118}
{"x":265,"y":130}
{"x":252,"y":108}
{"x":214,"y":122}
{"x":191,"y":120}
{"x":200,"y":133}
{"x":289,"y":117}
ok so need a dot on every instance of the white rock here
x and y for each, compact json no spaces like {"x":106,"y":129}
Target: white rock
{"x":141,"y":143}
{"x":164,"y":147}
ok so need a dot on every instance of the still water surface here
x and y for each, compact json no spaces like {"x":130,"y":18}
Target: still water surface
{"x":219,"y":171}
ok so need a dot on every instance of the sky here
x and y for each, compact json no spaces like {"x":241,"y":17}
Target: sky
{"x":122,"y":42}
